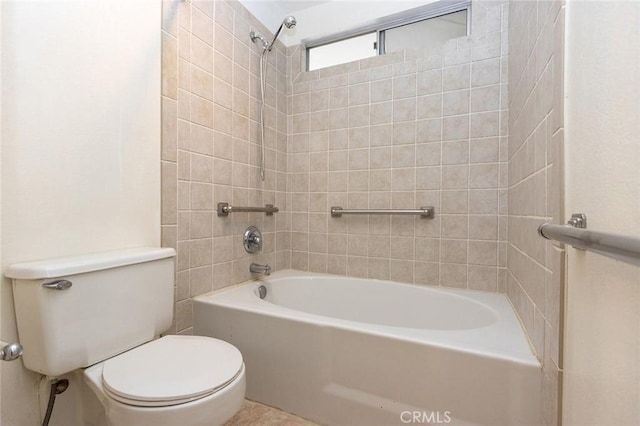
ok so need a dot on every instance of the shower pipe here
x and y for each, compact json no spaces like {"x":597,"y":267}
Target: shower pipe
{"x":288,"y":22}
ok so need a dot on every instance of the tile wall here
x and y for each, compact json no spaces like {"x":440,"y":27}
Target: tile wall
{"x":404,"y":130}
{"x":535,"y":267}
{"x":444,"y":128}
{"x":210,"y":130}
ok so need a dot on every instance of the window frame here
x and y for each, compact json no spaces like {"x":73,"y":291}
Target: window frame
{"x":379,"y":26}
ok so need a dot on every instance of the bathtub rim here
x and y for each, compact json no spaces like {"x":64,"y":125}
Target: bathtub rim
{"x":436,"y":338}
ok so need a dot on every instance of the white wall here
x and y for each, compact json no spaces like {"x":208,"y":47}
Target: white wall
{"x":602,"y":352}
{"x":1,"y":50}
{"x":81,"y":143}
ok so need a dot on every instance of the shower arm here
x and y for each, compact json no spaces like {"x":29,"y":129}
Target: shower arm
{"x":288,"y":22}
{"x":275,"y":37}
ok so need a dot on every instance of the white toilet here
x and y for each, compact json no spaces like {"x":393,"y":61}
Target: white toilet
{"x":103,"y":312}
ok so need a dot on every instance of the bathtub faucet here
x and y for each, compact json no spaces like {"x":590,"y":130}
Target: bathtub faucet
{"x":256,"y":268}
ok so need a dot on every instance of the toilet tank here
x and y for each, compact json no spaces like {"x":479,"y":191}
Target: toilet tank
{"x":117,"y":300}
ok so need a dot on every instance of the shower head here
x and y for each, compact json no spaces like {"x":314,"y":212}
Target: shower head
{"x":288,"y":22}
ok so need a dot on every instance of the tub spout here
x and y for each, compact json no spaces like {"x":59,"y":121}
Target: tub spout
{"x":256,"y":268}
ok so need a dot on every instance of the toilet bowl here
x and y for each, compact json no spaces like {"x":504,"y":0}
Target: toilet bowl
{"x":175,"y":380}
{"x":100,"y":314}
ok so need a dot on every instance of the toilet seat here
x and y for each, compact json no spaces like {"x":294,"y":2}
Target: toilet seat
{"x":171,"y":370}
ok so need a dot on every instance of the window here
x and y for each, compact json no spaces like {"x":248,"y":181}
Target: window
{"x":424,"y":27}
{"x":339,"y":52}
{"x":431,"y":32}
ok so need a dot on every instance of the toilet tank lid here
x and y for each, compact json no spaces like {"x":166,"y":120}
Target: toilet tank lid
{"x":64,"y":266}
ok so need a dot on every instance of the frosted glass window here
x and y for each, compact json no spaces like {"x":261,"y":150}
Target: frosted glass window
{"x":340,"y":52}
{"x":430,"y":33}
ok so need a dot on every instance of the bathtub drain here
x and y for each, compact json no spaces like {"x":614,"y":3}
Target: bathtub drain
{"x":262,"y":291}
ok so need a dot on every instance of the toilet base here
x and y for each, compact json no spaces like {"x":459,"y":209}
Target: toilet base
{"x":214,"y":409}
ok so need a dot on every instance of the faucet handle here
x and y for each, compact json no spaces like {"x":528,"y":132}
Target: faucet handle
{"x":252,"y":240}
{"x":10,"y":351}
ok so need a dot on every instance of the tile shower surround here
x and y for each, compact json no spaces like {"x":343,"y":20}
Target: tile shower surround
{"x":210,"y":91}
{"x":535,"y":267}
{"x":402,"y":130}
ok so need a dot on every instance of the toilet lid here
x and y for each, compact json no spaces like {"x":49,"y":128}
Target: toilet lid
{"x":171,"y":370}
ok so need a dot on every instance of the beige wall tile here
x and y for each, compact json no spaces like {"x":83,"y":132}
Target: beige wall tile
{"x":401,"y":270}
{"x":169,"y":65}
{"x":201,"y":54}
{"x":483,"y":201}
{"x":429,"y":130}
{"x":453,"y":251}
{"x":485,"y":98}
{"x":429,"y":106}
{"x":381,"y":90}
{"x":169,"y":193}
{"x":428,"y":178}
{"x":456,"y":78}
{"x":366,"y":134}
{"x":381,"y":135}
{"x":428,"y":154}
{"x":405,"y":86}
{"x":485,"y":72}
{"x":338,"y":97}
{"x":482,"y":278}
{"x":454,"y":226}
{"x":201,"y":196}
{"x":429,"y":82}
{"x":455,"y":128}
{"x":455,"y":201}
{"x":484,"y":150}
{"x":456,"y":152}
{"x":427,"y":273}
{"x":359,"y":94}
{"x":357,"y":266}
{"x":455,"y":103}
{"x":453,"y":275}
{"x":169,"y":129}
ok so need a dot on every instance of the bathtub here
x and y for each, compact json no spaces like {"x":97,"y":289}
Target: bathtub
{"x":348,"y":351}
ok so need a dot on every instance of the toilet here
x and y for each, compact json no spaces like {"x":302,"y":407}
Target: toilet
{"x":103,"y":313}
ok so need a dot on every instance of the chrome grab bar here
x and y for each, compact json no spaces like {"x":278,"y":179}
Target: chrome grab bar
{"x":615,"y":246}
{"x":224,"y":209}
{"x":426,"y":212}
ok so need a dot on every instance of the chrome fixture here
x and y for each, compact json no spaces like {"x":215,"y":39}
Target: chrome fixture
{"x":256,"y":268}
{"x":255,"y":37}
{"x":10,"y":351}
{"x":262,"y":291}
{"x":578,"y":220}
{"x":426,"y":212}
{"x":288,"y":22}
{"x":616,"y":246}
{"x":252,"y":240}
{"x":58,"y":285}
{"x":224,"y":209}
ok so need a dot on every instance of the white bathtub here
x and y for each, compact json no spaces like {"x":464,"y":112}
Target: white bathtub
{"x":345,"y":351}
